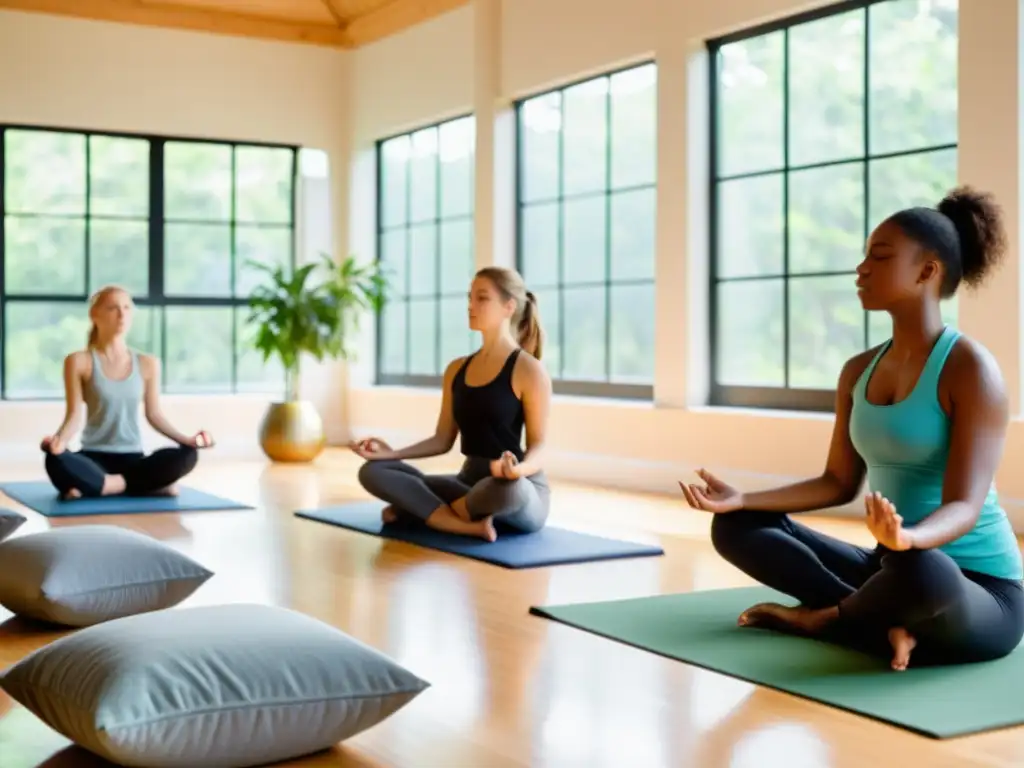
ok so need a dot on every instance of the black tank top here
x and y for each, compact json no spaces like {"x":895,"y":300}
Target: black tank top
{"x":490,"y":417}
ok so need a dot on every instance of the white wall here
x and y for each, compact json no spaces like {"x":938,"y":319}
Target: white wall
{"x":543,"y":43}
{"x":73,"y":73}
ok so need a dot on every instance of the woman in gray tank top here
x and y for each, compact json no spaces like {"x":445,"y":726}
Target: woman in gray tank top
{"x":114,"y":382}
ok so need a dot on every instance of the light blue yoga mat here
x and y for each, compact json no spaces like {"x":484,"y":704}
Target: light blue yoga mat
{"x":44,"y":499}
{"x":548,"y":546}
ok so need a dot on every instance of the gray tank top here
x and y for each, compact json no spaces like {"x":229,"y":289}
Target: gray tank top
{"x":112,"y":410}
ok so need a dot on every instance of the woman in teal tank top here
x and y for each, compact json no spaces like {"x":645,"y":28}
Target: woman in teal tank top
{"x":923,"y":418}
{"x":115,"y":383}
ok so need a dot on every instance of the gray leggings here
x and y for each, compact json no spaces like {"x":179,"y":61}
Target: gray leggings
{"x":521,"y":504}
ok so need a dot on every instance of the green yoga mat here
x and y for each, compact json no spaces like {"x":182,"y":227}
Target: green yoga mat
{"x":699,"y":628}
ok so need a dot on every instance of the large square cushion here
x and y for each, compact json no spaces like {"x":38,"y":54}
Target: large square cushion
{"x":82,"y":575}
{"x":225,"y":686}
{"x":10,"y":521}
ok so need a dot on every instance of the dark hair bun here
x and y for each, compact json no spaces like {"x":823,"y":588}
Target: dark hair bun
{"x":979,"y":222}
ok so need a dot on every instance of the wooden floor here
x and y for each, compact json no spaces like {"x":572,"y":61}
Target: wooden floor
{"x":508,"y":689}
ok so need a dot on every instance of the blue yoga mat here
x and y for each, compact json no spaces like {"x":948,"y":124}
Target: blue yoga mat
{"x":41,"y":496}
{"x":548,"y":546}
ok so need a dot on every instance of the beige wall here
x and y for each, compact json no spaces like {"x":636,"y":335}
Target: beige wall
{"x":537,"y":44}
{"x":83,"y":74}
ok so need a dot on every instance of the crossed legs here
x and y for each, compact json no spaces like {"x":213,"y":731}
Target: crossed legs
{"x":455,"y":503}
{"x":97,"y":473}
{"x":917,"y":599}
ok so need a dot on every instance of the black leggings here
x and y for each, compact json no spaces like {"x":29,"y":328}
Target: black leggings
{"x":957,"y":616}
{"x":143,"y":475}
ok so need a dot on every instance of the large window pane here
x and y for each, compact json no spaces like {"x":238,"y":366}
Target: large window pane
{"x":44,"y":172}
{"x":119,"y":255}
{"x":119,"y":177}
{"x":587,"y":234}
{"x":913,"y":68}
{"x":425,"y":245}
{"x":584,"y":241}
{"x":632,"y":344}
{"x":866,"y":125}
{"x":539,"y":249}
{"x":826,"y":328}
{"x":37,"y":338}
{"x":585,"y":356}
{"x":44,"y":256}
{"x":750,"y":320}
{"x":750,"y":82}
{"x":423,"y":337}
{"x":457,"y":257}
{"x":198,"y":260}
{"x":456,"y":152}
{"x":757,"y":247}
{"x":540,"y":127}
{"x":585,"y":140}
{"x":633,"y":236}
{"x":826,"y":104}
{"x":263,"y":185}
{"x":826,"y":218}
{"x":199,"y":346}
{"x":171,"y":221}
{"x":271,"y":246}
{"x":197,"y":179}
{"x":393,"y":343}
{"x":634,"y":126}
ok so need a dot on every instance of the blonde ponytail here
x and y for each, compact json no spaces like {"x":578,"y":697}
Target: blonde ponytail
{"x":94,"y":333}
{"x":531,"y":335}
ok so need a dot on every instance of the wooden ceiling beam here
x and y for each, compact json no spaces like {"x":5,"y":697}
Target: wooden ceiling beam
{"x":395,"y":17}
{"x":188,"y":18}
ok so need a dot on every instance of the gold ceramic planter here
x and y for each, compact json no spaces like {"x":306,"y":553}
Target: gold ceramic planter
{"x":292,"y":432}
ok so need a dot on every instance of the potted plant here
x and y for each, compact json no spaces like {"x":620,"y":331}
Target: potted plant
{"x":313,"y":311}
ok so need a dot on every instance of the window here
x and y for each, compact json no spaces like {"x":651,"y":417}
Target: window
{"x":822,"y":126}
{"x":173,"y":221}
{"x":586,"y":232}
{"x":425,"y":244}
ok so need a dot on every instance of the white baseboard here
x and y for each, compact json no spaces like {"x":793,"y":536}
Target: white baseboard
{"x":648,"y":476}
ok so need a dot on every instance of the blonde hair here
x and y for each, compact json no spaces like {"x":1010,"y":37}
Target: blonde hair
{"x":94,"y":301}
{"x":526,"y":320}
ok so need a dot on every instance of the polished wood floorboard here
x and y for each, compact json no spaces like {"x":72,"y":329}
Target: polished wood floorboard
{"x":508,"y":689}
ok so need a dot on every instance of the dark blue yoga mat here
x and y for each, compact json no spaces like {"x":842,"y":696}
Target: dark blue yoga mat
{"x":41,"y":496}
{"x":548,"y":546}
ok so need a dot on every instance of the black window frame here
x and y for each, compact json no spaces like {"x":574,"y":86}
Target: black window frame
{"x":418,"y":381}
{"x":782,"y":398}
{"x":573,"y":387}
{"x":155,"y":297}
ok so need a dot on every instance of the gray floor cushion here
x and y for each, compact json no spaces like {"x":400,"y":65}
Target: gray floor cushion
{"x":225,"y":686}
{"x":10,"y":521}
{"x":83,"y":575}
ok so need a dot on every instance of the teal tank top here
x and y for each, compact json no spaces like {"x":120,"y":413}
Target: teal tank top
{"x":112,"y":410}
{"x":905,"y":447}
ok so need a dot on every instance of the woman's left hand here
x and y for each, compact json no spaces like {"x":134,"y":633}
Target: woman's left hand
{"x":202,"y":439}
{"x":885,"y":525}
{"x":506,"y":467}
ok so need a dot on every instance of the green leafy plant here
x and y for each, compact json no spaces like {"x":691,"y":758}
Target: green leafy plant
{"x":314,"y":310}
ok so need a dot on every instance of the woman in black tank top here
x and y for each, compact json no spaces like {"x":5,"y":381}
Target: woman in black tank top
{"x":488,"y":398}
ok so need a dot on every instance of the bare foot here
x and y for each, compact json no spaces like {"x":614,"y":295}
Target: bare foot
{"x":389,"y":514}
{"x":487,"y":531}
{"x":170,"y":490}
{"x":786,"y":618}
{"x":74,"y":493}
{"x":902,"y":643}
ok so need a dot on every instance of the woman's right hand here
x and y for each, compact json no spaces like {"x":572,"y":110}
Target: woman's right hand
{"x":51,"y":444}
{"x":372,"y":449}
{"x":714,"y":496}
